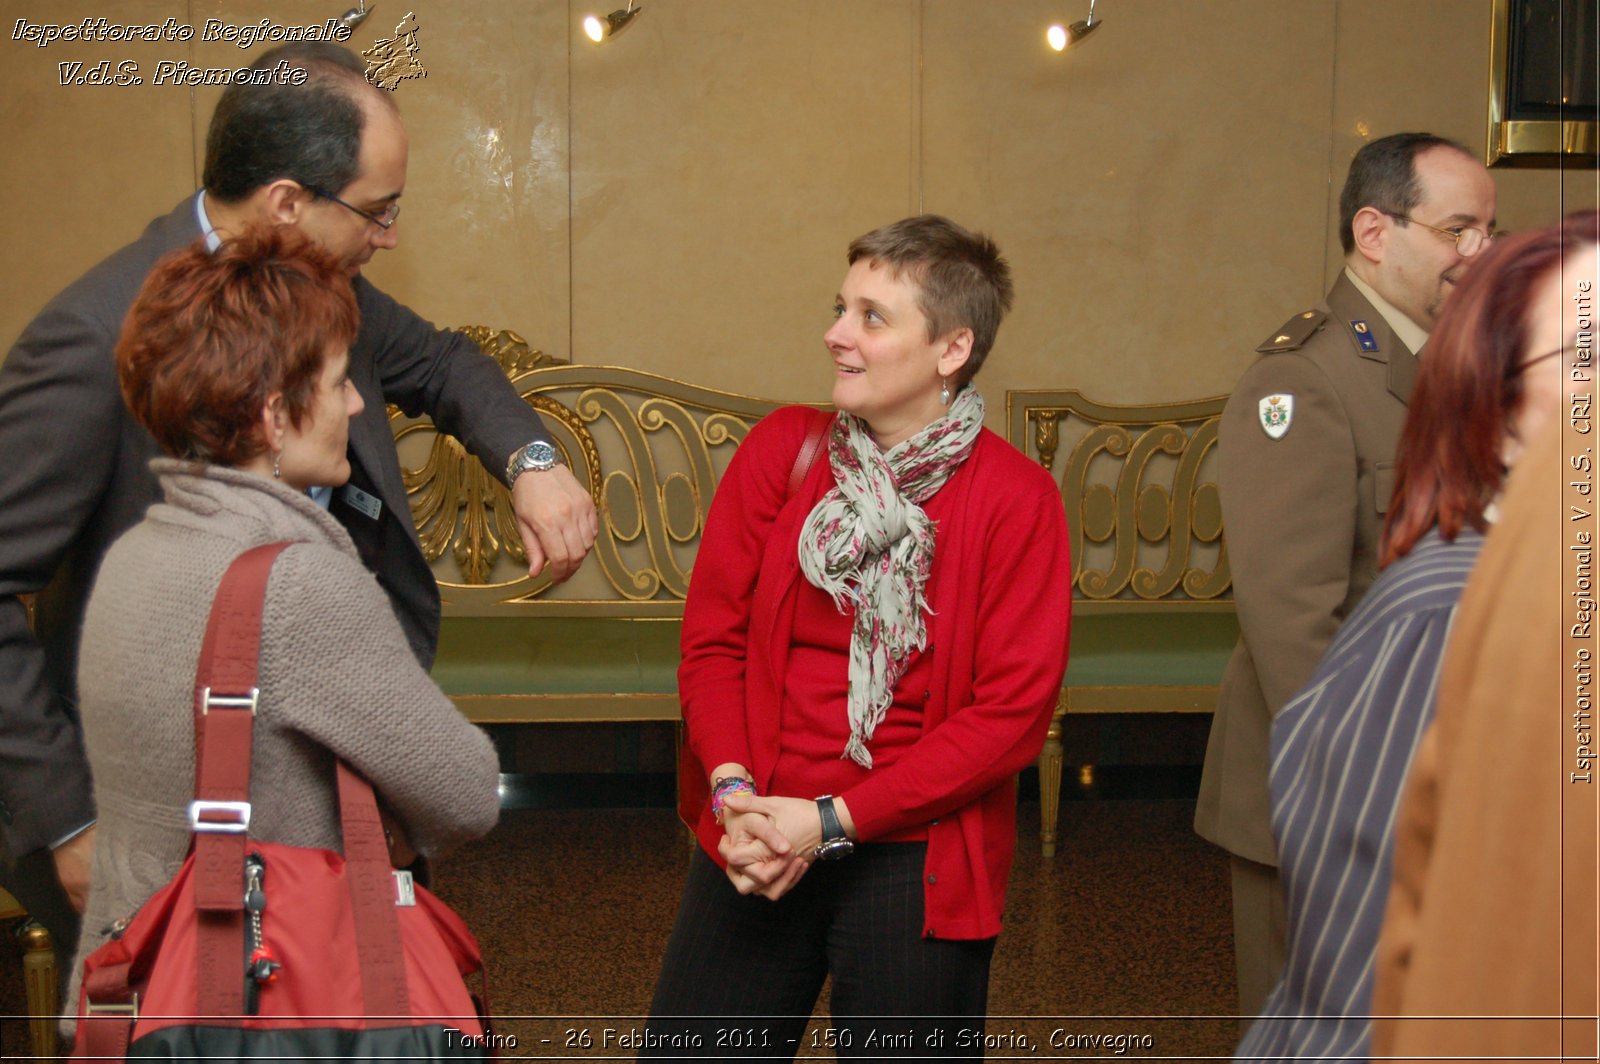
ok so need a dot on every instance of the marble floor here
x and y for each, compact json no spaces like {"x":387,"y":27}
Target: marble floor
{"x":1119,"y":947}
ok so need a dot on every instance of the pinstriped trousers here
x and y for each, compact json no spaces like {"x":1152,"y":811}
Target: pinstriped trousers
{"x":747,"y":971}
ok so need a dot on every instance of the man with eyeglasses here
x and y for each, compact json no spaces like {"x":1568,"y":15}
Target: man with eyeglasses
{"x":1306,"y":450}
{"x":326,"y":154}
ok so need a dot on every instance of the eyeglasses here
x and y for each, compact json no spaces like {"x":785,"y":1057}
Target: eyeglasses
{"x":383,"y":221}
{"x":1469,"y":239}
{"x":1522,"y":367}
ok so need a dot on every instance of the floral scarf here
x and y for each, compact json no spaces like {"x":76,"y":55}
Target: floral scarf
{"x":868,"y":543}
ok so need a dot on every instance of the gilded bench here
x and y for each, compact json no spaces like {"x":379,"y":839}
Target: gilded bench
{"x":604,"y":645}
{"x":1152,"y":619}
{"x":1152,"y":613}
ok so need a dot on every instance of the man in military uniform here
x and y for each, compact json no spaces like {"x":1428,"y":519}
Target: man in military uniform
{"x":1307,"y":447}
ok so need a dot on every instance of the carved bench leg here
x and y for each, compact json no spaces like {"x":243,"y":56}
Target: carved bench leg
{"x":39,"y":981}
{"x":1050,"y":763}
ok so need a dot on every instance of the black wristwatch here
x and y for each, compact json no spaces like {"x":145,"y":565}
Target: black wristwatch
{"x":835,"y":843}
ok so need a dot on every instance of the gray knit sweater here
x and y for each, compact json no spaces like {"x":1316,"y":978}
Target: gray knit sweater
{"x":336,"y":678}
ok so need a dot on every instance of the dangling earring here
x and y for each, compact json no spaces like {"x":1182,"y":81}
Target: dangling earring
{"x":277,"y":473}
{"x":944,"y":391}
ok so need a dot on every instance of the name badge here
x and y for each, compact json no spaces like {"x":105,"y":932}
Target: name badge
{"x":370,"y":505}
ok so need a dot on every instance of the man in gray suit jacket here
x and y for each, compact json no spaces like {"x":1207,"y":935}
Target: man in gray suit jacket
{"x":1306,"y":449}
{"x":321,"y":149}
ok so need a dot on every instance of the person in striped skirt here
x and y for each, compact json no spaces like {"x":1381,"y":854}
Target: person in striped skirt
{"x":1341,"y":748}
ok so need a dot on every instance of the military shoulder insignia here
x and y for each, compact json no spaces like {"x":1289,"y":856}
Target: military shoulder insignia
{"x":1293,"y":334}
{"x":1276,"y":412}
{"x":1363,"y":334}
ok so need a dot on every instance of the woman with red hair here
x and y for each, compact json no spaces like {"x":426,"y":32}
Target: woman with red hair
{"x":1491,"y":379}
{"x":236,"y":362}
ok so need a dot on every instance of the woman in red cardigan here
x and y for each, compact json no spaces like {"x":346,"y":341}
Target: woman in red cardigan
{"x":885,"y":627}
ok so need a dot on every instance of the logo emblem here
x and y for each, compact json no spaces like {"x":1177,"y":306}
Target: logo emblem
{"x":1276,"y":412}
{"x":391,"y":61}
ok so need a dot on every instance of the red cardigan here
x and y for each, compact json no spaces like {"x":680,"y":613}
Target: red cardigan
{"x":1009,"y":597}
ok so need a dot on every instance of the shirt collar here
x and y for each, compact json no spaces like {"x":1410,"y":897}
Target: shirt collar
{"x":213,"y":241}
{"x":1410,"y":333}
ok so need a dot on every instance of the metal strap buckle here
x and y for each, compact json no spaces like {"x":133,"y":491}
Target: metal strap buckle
{"x":405,"y":891}
{"x":208,"y":701}
{"x":130,"y":1010}
{"x":199,"y":810}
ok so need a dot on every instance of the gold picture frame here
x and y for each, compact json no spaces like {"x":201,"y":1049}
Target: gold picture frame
{"x":1540,"y":132}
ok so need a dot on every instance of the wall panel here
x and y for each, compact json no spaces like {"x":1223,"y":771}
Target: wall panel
{"x":1158,"y":187}
{"x":679,"y":200}
{"x":84,"y":167}
{"x":723,"y":156}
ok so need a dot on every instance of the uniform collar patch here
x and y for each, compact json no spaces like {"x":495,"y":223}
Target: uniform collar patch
{"x":1363,"y":333}
{"x":1276,"y":412}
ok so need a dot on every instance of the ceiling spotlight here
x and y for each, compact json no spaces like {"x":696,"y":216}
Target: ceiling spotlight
{"x":356,"y":15}
{"x":1063,"y":37}
{"x":599,"y":29}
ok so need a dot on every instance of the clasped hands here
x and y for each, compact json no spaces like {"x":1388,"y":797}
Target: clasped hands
{"x":768,"y":842}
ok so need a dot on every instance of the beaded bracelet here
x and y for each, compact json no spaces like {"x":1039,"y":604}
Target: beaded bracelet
{"x":725,"y":786}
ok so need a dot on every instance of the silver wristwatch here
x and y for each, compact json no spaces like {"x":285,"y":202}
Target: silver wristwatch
{"x":536,"y":457}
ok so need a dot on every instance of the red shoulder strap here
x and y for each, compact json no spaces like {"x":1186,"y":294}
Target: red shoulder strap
{"x":224,"y":720}
{"x":810,"y":447}
{"x":224,"y":713}
{"x":225,"y":697}
{"x":370,"y":877}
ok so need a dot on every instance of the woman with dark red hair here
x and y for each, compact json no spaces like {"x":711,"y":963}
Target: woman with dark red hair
{"x":1491,"y":379}
{"x":236,"y":362}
